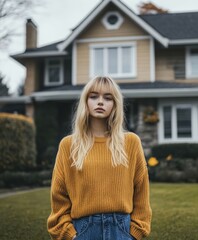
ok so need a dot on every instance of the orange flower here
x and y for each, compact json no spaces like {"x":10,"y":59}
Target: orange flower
{"x":169,"y":157}
{"x":152,"y":162}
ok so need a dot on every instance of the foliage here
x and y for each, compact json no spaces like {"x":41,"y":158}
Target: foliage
{"x":20,"y":179}
{"x":177,"y":150}
{"x":11,"y":13}
{"x":4,"y":90}
{"x":174,"y":163}
{"x":17,"y":142}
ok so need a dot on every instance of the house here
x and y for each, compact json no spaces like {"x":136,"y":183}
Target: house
{"x":154,"y":59}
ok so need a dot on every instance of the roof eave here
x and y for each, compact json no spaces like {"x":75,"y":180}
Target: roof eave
{"x":15,"y":99}
{"x":183,"y":41}
{"x":127,"y":93}
{"x":39,"y":54}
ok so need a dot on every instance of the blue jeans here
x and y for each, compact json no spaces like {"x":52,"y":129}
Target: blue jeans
{"x":107,"y":226}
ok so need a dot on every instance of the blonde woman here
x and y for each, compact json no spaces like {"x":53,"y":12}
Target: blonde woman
{"x":100,"y":186}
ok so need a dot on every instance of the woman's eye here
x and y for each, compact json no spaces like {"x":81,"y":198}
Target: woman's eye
{"x":109,"y":98}
{"x":93,"y":96}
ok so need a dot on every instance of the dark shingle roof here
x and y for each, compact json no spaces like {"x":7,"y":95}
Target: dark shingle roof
{"x":174,"y":25}
{"x":50,"y":47}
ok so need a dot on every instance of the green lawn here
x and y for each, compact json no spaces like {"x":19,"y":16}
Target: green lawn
{"x":175,"y":214}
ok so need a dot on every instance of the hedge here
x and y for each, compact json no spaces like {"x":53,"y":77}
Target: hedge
{"x":17,"y":142}
{"x":177,"y":150}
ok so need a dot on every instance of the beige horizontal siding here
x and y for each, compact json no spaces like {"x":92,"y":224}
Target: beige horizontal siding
{"x":98,"y":30}
{"x":142,"y":61}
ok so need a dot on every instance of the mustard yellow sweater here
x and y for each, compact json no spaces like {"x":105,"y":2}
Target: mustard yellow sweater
{"x":99,"y":188}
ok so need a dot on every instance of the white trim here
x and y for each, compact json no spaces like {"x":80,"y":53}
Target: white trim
{"x":56,"y":95}
{"x":188,"y":63}
{"x":161,"y":93}
{"x":119,"y":45}
{"x":40,"y":54}
{"x":109,"y":26}
{"x":83,"y":25}
{"x":164,"y":41}
{"x":175,"y":104}
{"x":127,"y":93}
{"x":74,"y":63}
{"x":183,"y":41}
{"x":152,"y":60}
{"x":15,"y":99}
{"x":112,"y":39}
{"x":61,"y":72}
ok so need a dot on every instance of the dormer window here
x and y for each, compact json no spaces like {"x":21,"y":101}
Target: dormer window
{"x":192,"y":62}
{"x":53,"y":72}
{"x":112,"y":20}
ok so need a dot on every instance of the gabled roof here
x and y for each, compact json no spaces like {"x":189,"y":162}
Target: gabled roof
{"x":177,"y":27}
{"x":126,"y":10}
{"x":167,"y":28}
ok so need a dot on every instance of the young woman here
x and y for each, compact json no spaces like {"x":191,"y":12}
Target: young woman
{"x":100,"y":186}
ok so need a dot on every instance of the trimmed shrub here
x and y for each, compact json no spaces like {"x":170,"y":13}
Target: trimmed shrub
{"x":177,"y":150}
{"x":21,"y":179}
{"x":17,"y":142}
{"x":174,"y":163}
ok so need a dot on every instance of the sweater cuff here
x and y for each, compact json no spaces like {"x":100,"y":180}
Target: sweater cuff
{"x":137,"y":234}
{"x":71,"y":232}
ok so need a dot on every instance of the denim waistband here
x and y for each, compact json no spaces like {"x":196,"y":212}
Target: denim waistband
{"x":111,"y":217}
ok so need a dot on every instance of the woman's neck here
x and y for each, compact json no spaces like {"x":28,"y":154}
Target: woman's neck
{"x":98,"y":127}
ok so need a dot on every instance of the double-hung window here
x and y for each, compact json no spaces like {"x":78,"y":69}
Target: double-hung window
{"x":117,"y":60}
{"x":53,"y":72}
{"x":192,"y":62}
{"x":178,"y":123}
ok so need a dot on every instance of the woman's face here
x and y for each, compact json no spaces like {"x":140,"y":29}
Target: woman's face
{"x":100,"y":103}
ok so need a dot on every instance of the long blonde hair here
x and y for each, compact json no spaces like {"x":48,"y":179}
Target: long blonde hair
{"x":82,"y":138}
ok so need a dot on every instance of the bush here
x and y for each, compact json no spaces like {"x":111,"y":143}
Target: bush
{"x":17,"y":142}
{"x":177,"y":150}
{"x":174,"y":163}
{"x":21,"y":179}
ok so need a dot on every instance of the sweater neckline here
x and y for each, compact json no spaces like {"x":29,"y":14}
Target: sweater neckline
{"x":100,"y":139}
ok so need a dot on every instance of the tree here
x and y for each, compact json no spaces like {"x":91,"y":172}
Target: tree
{"x":12,"y":12}
{"x":4,"y":90}
{"x":149,"y":7}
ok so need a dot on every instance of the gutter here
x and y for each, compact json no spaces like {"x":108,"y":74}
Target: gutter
{"x":127,"y":93}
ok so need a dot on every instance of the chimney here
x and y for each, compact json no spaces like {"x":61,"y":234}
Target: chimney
{"x":31,"y":34}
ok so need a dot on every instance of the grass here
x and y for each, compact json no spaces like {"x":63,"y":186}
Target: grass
{"x":175,"y":213}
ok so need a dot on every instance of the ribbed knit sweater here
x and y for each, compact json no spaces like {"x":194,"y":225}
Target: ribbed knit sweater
{"x":99,"y":188}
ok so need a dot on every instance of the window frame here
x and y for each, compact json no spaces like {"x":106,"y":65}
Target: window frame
{"x":47,"y":67}
{"x":112,"y":26}
{"x":105,"y":47}
{"x":188,"y":62}
{"x":194,"y":122}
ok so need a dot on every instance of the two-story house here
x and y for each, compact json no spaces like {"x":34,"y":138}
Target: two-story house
{"x":154,"y":58}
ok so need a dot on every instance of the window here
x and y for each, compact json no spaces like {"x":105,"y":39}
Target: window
{"x":112,"y":20}
{"x":184,"y":128}
{"x":54,"y":72}
{"x":178,"y":122}
{"x":192,"y":62}
{"x":115,"y":60}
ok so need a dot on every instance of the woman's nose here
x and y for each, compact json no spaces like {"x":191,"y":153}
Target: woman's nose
{"x":100,"y":100}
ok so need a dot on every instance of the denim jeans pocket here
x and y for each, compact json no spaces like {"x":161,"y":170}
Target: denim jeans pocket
{"x":81,"y":225}
{"x":124,"y":225}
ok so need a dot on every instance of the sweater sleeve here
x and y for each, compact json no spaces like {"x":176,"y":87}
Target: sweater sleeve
{"x":59,"y":222}
{"x":141,"y":214}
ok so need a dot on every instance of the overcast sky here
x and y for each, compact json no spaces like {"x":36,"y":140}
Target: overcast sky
{"x":55,"y":21}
